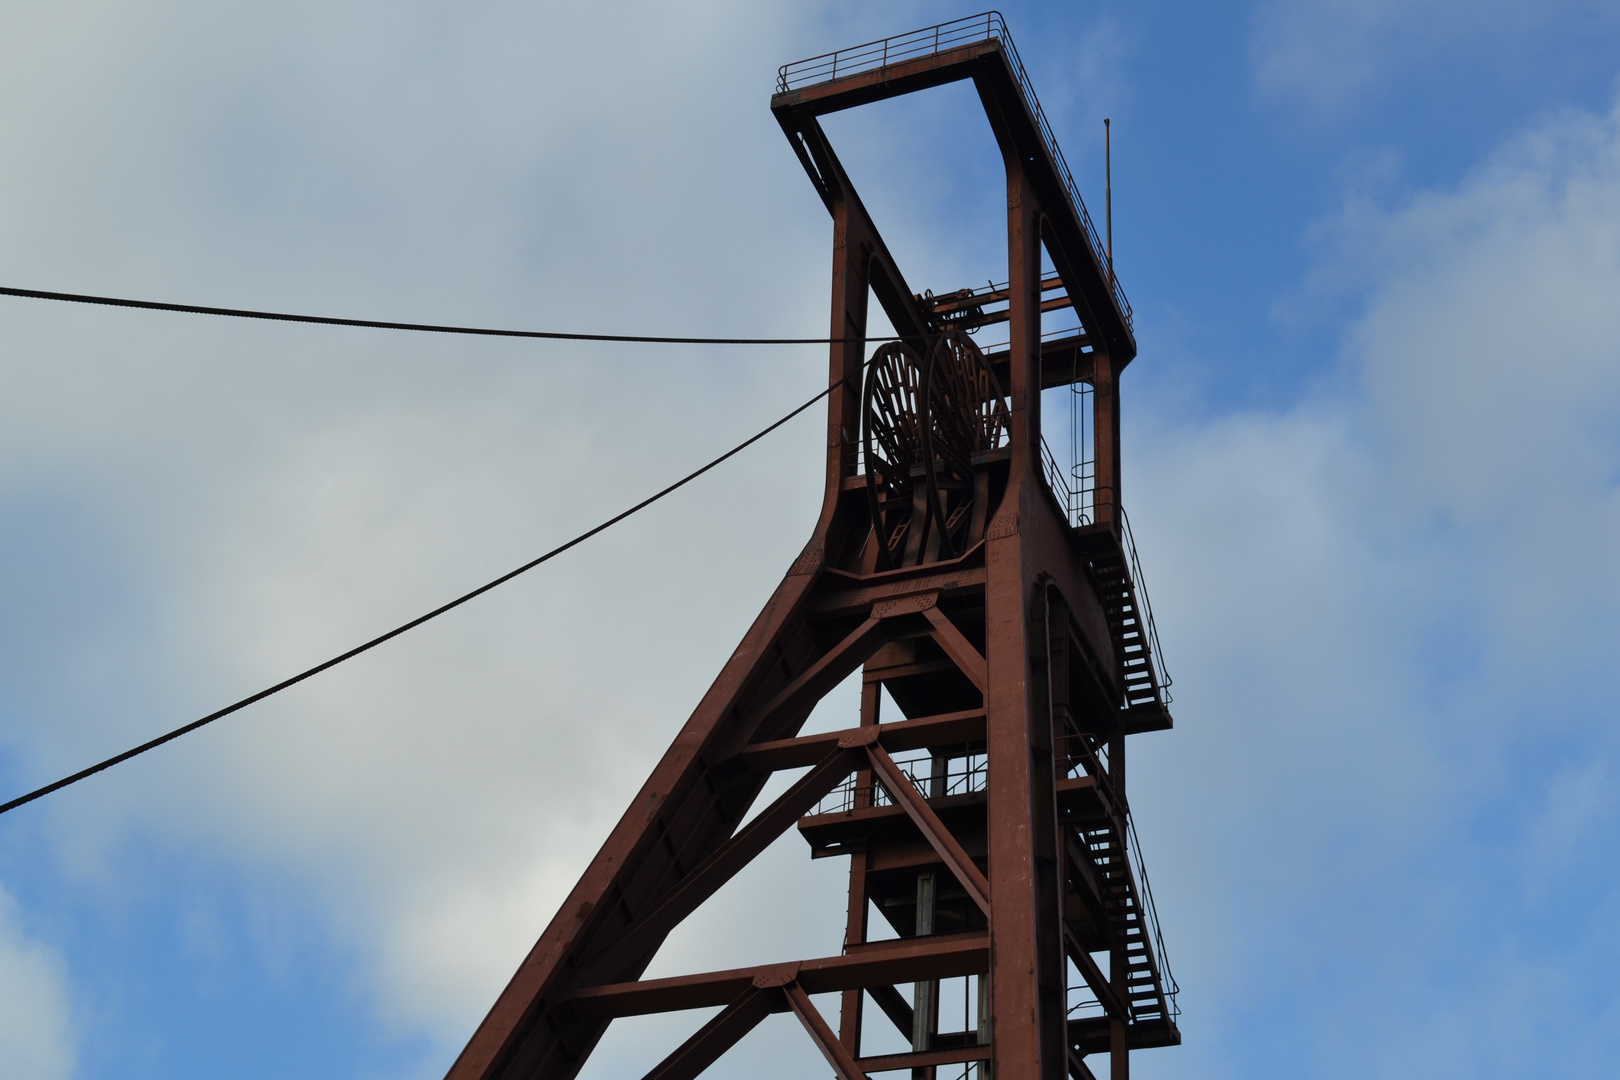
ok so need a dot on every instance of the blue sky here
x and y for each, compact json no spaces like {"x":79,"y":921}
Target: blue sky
{"x":1372,"y":449}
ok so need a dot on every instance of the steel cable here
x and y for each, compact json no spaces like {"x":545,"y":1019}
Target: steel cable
{"x":426,"y":328}
{"x":398,"y":630}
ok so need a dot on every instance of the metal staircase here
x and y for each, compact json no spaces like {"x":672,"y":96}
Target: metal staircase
{"x":1111,"y":563}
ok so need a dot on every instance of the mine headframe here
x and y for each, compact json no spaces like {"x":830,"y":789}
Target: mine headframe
{"x":992,"y":598}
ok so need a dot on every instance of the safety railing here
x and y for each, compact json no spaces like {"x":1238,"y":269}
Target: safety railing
{"x":1083,"y":1003}
{"x":1161,"y":672}
{"x":990,"y":26}
{"x":938,"y":777}
{"x":1074,"y":488}
{"x":1080,"y":754}
{"x":876,"y":55}
{"x":1076,"y":504}
{"x":1150,"y":917}
{"x":1075,"y":491}
{"x":933,"y":778}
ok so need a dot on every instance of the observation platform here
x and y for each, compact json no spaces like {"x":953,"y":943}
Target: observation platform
{"x":977,"y":48}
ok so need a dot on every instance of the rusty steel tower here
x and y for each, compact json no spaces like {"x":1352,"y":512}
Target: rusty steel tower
{"x":988,"y":594}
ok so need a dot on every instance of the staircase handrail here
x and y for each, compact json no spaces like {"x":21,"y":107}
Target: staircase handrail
{"x":1151,"y":914}
{"x":1160,"y":672}
{"x":1072,"y":502}
{"x":1068,"y":497}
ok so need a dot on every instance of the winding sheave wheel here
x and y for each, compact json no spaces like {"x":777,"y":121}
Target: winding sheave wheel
{"x":892,"y":439}
{"x":929,"y":428}
{"x":968,"y":427}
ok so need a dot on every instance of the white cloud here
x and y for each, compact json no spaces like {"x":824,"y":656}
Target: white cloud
{"x":221,"y":504}
{"x":1368,"y":603}
{"x":35,"y":1042}
{"x":1392,"y":612}
{"x":1326,"y":55}
{"x":1329,"y":49}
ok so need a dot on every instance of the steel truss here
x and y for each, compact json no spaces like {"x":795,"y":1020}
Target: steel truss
{"x":944,"y":569}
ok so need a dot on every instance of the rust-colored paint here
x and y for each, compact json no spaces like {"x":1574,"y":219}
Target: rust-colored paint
{"x":1004,"y":636}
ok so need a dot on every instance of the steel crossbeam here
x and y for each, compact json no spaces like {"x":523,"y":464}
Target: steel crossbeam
{"x":879,"y":964}
{"x":959,"y":727}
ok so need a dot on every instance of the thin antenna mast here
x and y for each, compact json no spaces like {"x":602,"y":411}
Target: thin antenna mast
{"x":1108,"y":196}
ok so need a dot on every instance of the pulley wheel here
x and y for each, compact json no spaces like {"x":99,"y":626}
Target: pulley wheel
{"x":892,"y":437}
{"x":967,"y":416}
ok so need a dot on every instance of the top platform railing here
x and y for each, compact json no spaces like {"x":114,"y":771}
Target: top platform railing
{"x":990,"y":26}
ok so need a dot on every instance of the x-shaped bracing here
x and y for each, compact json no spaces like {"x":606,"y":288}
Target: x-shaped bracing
{"x":750,"y":995}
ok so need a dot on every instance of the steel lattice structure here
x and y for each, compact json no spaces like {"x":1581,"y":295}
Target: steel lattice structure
{"x":949,"y":565}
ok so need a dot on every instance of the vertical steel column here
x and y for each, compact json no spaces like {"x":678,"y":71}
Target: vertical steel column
{"x":851,"y":288}
{"x":1026,"y":996}
{"x":1119,"y":1054}
{"x":983,"y":1032}
{"x":1058,"y":731}
{"x":1105,"y":431}
{"x":854,"y":241}
{"x":924,"y":993}
{"x":852,"y":1003}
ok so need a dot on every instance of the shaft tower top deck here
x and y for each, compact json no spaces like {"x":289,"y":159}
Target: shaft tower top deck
{"x":991,"y":598}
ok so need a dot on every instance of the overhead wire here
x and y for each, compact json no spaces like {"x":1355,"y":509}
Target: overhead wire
{"x":153,"y":744}
{"x":425,"y":328}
